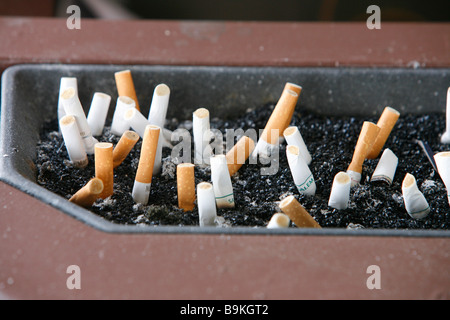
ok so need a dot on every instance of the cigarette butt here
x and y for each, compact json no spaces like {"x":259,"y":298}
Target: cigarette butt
{"x":202,"y":134}
{"x":367,"y":136}
{"x":206,"y":203}
{"x":340,"y":191}
{"x":73,"y":142}
{"x":104,"y":167}
{"x":278,"y":220}
{"x":97,"y":112}
{"x":159,"y":105}
{"x":295,"y":211}
{"x":144,"y":173}
{"x":186,"y":186}
{"x":294,"y":137}
{"x":88,"y":194}
{"x":443,"y":165}
{"x":445,"y":138}
{"x":124,"y":146}
{"x":119,"y":125}
{"x":297,"y":89}
{"x":386,"y":123}
{"x":301,"y":174}
{"x":65,"y":83}
{"x":136,"y":120}
{"x":221,"y":180}
{"x":415,"y":202}
{"x":386,"y":167}
{"x":237,"y":156}
{"x":125,"y":85}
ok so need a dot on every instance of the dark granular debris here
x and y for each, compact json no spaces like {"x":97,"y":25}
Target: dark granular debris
{"x":330,"y":140}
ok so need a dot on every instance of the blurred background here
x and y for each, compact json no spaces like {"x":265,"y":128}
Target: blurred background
{"x":242,"y":10}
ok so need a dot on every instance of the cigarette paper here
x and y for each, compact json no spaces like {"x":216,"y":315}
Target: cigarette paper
{"x":72,"y":106}
{"x":295,"y":211}
{"x":303,"y":178}
{"x":340,"y":191}
{"x":297,"y":89}
{"x":445,"y":138}
{"x":443,"y":165}
{"x":88,"y":194}
{"x":237,"y":156}
{"x":104,"y":169}
{"x":278,"y":220}
{"x":136,"y":121}
{"x":97,"y":112}
{"x":157,"y":116}
{"x":386,"y":123}
{"x":386,"y":167}
{"x":415,"y":202}
{"x":367,"y":136}
{"x":206,"y":203}
{"x":119,"y":125}
{"x":293,"y":137}
{"x":428,"y":152}
{"x":65,"y":83}
{"x":221,"y":180}
{"x":186,"y":186}
{"x":276,"y":123}
{"x":144,"y":173}
{"x":72,"y":140}
{"x":125,"y":86}
{"x":124,"y":146}
{"x":202,"y":135}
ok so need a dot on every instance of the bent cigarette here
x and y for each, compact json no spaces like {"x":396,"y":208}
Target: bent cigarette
{"x":72,"y":140}
{"x":104,"y":169}
{"x":124,"y":146}
{"x":297,"y":89}
{"x":136,"y":121}
{"x":202,"y":135}
{"x":386,"y":167}
{"x":303,"y":178}
{"x":367,"y":136}
{"x":237,"y":156}
{"x":445,"y":138}
{"x":88,"y":194}
{"x":386,"y":123}
{"x":279,"y":220}
{"x":221,"y":180}
{"x":295,"y":211}
{"x":97,"y":112}
{"x":293,"y":137}
{"x":443,"y":165}
{"x":119,"y":125}
{"x":125,"y":86}
{"x":144,"y":173}
{"x":65,"y":83}
{"x":72,"y":106}
{"x":340,"y":191}
{"x":206,"y":203}
{"x":415,"y":202}
{"x":186,"y":186}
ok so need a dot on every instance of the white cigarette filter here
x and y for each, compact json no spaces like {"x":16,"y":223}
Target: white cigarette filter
{"x":72,"y":106}
{"x":445,"y":138}
{"x":279,"y":220}
{"x":386,"y":167}
{"x":72,"y":140}
{"x":65,"y":83}
{"x":221,"y":180}
{"x":136,"y":121}
{"x":97,"y":112}
{"x":415,"y":203}
{"x":202,"y":136}
{"x":443,"y":164}
{"x":340,"y":191}
{"x":159,"y":105}
{"x":119,"y":125}
{"x":294,"y":138}
{"x":206,"y":203}
{"x":303,"y":178}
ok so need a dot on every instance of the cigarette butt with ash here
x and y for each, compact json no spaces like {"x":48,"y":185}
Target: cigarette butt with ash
{"x":144,"y":173}
{"x":240,"y":152}
{"x":104,"y":169}
{"x":65,"y":83}
{"x":221,"y":180}
{"x":415,"y":202}
{"x":125,"y":86}
{"x":445,"y":138}
{"x":301,"y":174}
{"x":126,"y":143}
{"x":366,"y":139}
{"x":202,"y":135}
{"x":206,"y":203}
{"x":73,"y":142}
{"x":386,"y":167}
{"x":279,"y":220}
{"x":386,"y":123}
{"x":119,"y":125}
{"x":295,"y":211}
{"x":186,"y":186}
{"x":443,"y":165}
{"x":88,"y":194}
{"x":293,"y":137}
{"x":340,"y":191}
{"x":97,"y":112}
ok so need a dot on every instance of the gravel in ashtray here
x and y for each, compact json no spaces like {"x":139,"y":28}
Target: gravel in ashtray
{"x":330,"y":140}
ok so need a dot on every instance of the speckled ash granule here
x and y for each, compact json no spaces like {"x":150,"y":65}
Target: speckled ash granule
{"x":330,"y":140}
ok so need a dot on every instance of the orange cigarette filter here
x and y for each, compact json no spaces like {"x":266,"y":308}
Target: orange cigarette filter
{"x":366,"y":139}
{"x":124,"y":146}
{"x":387,"y":121}
{"x":125,"y":85}
{"x":297,"y":89}
{"x":295,"y":211}
{"x":186,"y":186}
{"x":144,"y":172}
{"x":104,"y":167}
{"x":88,"y":194}
{"x":237,"y":156}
